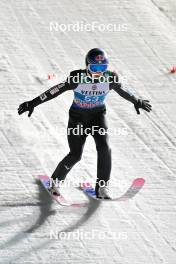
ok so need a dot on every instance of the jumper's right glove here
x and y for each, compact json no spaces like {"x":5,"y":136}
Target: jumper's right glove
{"x":26,"y":106}
{"x":144,"y":104}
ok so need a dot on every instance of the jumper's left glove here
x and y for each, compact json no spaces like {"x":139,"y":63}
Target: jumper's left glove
{"x":144,"y":104}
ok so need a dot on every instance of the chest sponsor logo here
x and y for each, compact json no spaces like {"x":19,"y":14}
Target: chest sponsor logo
{"x":92,"y":92}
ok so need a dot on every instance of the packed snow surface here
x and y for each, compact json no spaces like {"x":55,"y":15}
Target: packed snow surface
{"x":34,"y":228}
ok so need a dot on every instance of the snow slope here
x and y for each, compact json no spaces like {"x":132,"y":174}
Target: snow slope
{"x":143,"y":230}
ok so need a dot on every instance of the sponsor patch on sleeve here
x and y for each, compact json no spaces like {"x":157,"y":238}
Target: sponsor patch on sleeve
{"x":43,"y":96}
{"x":56,"y":88}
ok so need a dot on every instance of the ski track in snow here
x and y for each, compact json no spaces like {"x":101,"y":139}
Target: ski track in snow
{"x":144,"y":227}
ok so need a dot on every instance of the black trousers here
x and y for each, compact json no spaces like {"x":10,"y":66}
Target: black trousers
{"x":80,"y":124}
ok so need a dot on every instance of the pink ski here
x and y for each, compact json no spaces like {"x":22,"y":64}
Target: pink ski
{"x":135,"y":187}
{"x":45,"y":180}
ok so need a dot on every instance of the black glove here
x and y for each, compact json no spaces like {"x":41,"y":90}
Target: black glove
{"x":26,"y":106}
{"x":144,"y":104}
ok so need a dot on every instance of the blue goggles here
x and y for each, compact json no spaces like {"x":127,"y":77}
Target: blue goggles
{"x":97,"y":67}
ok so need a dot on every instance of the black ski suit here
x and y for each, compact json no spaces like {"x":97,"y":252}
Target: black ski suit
{"x":87,"y":110}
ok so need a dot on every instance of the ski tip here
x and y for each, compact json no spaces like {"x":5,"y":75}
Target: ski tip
{"x":42,"y":177}
{"x":79,"y":205}
{"x":84,"y":185}
{"x":138,"y":182}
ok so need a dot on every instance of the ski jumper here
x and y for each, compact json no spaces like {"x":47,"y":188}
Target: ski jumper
{"x":88,"y":110}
